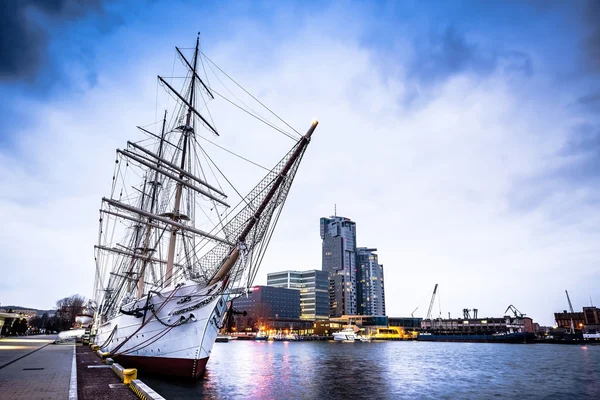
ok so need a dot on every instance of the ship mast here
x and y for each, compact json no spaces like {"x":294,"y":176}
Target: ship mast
{"x":154,"y":184}
{"x":187,"y":129}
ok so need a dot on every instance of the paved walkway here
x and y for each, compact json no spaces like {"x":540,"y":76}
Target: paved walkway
{"x":33,"y":369}
{"x":13,"y":347}
{"x":96,"y":381}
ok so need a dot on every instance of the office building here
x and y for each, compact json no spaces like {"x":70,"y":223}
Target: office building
{"x":370,"y":283}
{"x":265,"y":302}
{"x":313,"y":286}
{"x":339,"y":261}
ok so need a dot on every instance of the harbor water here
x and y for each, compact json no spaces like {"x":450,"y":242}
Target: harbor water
{"x":391,"y":370}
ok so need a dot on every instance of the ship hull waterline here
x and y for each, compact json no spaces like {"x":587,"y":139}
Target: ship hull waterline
{"x":164,"y":366}
{"x":174,"y":339}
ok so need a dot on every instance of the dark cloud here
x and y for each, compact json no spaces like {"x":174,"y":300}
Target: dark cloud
{"x":578,"y":166}
{"x":591,"y":19}
{"x":582,"y":151}
{"x":449,"y":53}
{"x":590,"y":102}
{"x":23,"y":36}
{"x":516,"y":62}
{"x":584,"y":141}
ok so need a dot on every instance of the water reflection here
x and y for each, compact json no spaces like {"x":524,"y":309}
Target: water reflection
{"x":391,"y":370}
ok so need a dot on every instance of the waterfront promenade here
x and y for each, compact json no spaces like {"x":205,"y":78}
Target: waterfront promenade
{"x":34,"y":368}
{"x":31,"y":367}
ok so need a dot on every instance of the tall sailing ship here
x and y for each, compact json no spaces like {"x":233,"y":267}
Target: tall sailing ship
{"x":172,"y":252}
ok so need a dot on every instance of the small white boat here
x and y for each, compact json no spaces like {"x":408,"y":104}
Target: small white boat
{"x":365,"y":339}
{"x":73,"y":334}
{"x":223,"y":338}
{"x":346,"y":335}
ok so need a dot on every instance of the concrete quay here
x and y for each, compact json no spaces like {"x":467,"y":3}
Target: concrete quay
{"x":34,"y":368}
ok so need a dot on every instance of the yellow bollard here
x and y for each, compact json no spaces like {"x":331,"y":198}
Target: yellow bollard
{"x":95,"y":347}
{"x":105,"y":354}
{"x":129,"y":374}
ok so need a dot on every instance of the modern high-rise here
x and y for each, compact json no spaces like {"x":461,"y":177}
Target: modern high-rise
{"x":314,"y":291}
{"x":370,"y":284}
{"x":339,"y":261}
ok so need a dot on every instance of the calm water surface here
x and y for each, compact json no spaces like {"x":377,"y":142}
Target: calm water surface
{"x":391,"y":370}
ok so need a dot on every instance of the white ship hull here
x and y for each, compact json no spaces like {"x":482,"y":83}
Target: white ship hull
{"x":156,"y":343}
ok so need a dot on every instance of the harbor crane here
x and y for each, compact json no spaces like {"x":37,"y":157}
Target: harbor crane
{"x":518,"y":314}
{"x":412,"y":313}
{"x":572,"y":312}
{"x":431,"y":302}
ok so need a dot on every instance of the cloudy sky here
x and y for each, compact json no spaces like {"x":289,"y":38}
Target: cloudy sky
{"x":462,"y":137}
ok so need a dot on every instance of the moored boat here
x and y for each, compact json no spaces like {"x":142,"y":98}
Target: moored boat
{"x":515,"y":337}
{"x":345,"y":335}
{"x":223,"y":338}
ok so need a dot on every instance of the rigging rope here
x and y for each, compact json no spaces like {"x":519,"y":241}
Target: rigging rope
{"x":232,"y":153}
{"x":254,"y":113}
{"x":256,"y":116}
{"x":218,"y":169}
{"x":109,"y":338}
{"x":249,"y":94}
{"x":147,"y":321}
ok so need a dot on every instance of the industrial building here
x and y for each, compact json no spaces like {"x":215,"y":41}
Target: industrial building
{"x":586,"y":320}
{"x":488,"y":325}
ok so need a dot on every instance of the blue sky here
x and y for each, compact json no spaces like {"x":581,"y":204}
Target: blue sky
{"x":462,"y":137}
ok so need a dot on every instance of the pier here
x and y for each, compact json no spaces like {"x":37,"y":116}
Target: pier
{"x":32,"y":367}
{"x":35,"y":367}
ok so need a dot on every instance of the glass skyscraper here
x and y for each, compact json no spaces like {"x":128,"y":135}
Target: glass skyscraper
{"x":314,"y":291}
{"x":370,"y":286}
{"x":339,"y":261}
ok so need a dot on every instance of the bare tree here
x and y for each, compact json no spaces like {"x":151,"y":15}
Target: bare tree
{"x":67,"y":309}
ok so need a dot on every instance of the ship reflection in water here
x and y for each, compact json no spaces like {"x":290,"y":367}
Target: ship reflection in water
{"x":382,"y":370}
